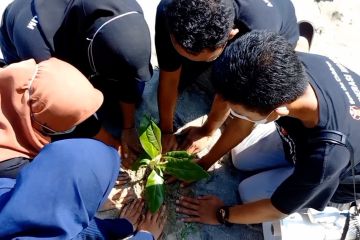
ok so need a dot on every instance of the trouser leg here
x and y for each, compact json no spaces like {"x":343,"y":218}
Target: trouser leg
{"x":261,"y":153}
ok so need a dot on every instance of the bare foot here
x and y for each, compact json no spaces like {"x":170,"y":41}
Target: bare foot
{"x":153,"y":222}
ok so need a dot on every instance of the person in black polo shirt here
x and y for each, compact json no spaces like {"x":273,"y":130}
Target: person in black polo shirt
{"x":264,"y":80}
{"x":107,"y":40}
{"x":189,"y":35}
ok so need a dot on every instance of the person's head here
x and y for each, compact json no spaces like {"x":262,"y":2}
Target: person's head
{"x":259,"y":74}
{"x":200,"y":29}
{"x":60,"y":97}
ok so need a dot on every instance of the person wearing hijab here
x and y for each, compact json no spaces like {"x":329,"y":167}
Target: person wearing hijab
{"x":53,"y":189}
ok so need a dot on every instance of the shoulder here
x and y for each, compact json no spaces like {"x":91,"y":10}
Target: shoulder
{"x":109,"y":7}
{"x":273,"y":15}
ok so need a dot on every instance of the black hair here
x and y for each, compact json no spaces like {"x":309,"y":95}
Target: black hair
{"x":200,"y":24}
{"x":259,"y":71}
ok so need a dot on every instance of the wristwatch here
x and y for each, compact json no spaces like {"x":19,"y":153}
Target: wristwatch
{"x":222,"y":215}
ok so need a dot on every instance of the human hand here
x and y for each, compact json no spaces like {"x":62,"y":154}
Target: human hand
{"x":168,"y":142}
{"x":119,"y":194}
{"x":171,"y":179}
{"x":201,"y":209}
{"x":195,"y":139}
{"x":132,"y":212}
{"x":130,"y":146}
{"x":153,"y":222}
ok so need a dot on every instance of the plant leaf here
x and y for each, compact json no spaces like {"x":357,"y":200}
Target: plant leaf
{"x":155,"y":191}
{"x":141,"y":162}
{"x":179,"y":154}
{"x":150,"y":137}
{"x":185,"y":170}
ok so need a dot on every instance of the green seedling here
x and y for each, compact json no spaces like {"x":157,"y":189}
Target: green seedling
{"x":176,"y":163}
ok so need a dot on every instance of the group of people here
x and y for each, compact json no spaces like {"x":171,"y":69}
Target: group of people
{"x":76,"y":71}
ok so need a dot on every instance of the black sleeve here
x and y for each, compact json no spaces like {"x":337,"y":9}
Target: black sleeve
{"x":314,"y":180}
{"x":168,"y":59}
{"x":121,"y":54}
{"x":274,"y":16}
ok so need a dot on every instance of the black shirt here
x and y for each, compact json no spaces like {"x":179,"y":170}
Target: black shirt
{"x":320,"y":168}
{"x":121,"y":50}
{"x":276,"y":16}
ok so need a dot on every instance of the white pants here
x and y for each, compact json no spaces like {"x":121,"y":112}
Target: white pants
{"x":261,"y":152}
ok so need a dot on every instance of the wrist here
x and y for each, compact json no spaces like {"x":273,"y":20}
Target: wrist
{"x":208,"y":129}
{"x":167,"y":132}
{"x":203,"y":163}
{"x":222,"y":215}
{"x":166,"y":127}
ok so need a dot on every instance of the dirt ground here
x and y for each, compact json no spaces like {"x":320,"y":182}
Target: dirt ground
{"x":336,"y":35}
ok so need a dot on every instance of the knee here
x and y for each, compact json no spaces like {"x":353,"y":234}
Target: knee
{"x":250,"y":191}
{"x":245,"y":191}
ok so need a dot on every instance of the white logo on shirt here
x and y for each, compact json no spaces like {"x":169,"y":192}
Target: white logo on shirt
{"x":268,"y":3}
{"x":33,"y":23}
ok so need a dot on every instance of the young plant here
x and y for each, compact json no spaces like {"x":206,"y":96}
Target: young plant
{"x":176,"y":163}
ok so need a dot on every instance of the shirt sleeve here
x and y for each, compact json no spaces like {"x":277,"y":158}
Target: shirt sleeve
{"x":168,"y":59}
{"x":121,"y":52}
{"x":274,"y":16}
{"x":112,"y":229}
{"x":314,"y":181}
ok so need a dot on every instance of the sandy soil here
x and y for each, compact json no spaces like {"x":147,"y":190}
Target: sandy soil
{"x":337,"y":35}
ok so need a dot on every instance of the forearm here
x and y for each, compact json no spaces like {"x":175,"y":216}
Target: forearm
{"x":167,"y":96}
{"x":254,"y":212}
{"x":128,"y":115}
{"x":236,"y":131}
{"x":217,"y":116}
{"x":107,"y":138}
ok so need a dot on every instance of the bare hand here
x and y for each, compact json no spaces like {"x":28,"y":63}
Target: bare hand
{"x":171,"y":179}
{"x":201,"y":209}
{"x":130,"y":146}
{"x":132,"y":212}
{"x":153,"y":222}
{"x":195,"y":139}
{"x":169,"y":142}
{"x":119,"y":194}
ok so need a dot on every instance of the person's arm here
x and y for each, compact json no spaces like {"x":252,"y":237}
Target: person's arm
{"x":236,"y":131}
{"x":167,"y":96}
{"x":218,"y":114}
{"x":130,"y":144}
{"x":203,"y":209}
{"x":254,"y":212}
{"x":104,"y":136}
{"x":197,"y":138}
{"x":170,"y":63}
{"x":128,"y":115}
